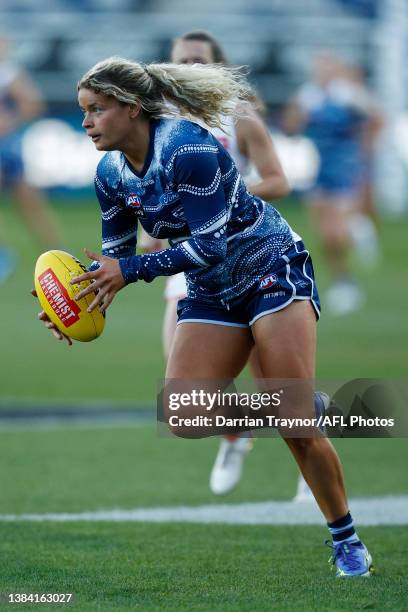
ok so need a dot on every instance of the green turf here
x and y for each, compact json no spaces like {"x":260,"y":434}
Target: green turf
{"x":75,"y":469}
{"x":174,"y":567}
{"x":179,"y":567}
{"x":41,"y":370}
{"x":370,"y":343}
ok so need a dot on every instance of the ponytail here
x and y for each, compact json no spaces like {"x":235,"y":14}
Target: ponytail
{"x":204,"y":91}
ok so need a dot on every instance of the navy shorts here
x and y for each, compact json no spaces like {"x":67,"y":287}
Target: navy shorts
{"x":292,"y":278}
{"x":340,"y":173}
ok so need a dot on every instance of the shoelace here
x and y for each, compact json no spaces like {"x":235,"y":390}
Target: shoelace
{"x":346,"y":551}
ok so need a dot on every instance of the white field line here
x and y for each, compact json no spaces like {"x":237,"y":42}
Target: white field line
{"x":392,"y":510}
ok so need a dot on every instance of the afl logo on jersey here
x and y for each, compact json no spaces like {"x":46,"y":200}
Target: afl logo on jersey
{"x":135,"y":203}
{"x":267,"y":281}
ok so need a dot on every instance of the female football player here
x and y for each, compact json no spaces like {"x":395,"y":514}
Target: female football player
{"x":247,"y":140}
{"x":179,"y":181}
{"x":336,"y":112}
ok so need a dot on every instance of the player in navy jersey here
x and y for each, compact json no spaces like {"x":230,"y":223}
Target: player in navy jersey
{"x":249,"y":276}
{"x":334,"y":112}
{"x":248,"y":142}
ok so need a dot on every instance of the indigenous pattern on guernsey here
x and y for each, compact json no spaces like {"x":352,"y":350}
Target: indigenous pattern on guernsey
{"x":191,"y":193}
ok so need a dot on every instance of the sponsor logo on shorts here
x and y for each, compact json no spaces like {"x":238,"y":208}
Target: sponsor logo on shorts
{"x":267,"y":281}
{"x":135,"y":203}
{"x":66,"y":309}
{"x":275,"y":294}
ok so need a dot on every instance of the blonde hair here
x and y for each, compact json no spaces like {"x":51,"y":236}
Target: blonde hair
{"x":203,"y":91}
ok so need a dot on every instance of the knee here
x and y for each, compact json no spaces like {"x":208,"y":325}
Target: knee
{"x":303,"y":446}
{"x":172,"y":422}
{"x":335,"y":237}
{"x":178,"y":432}
{"x":187,"y":433}
{"x":183,"y":425}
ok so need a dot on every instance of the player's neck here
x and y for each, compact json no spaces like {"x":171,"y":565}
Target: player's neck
{"x":136,"y":146}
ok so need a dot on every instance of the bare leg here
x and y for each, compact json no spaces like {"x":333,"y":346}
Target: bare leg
{"x":256,"y":372}
{"x":286,"y":348}
{"x":211,"y":354}
{"x":331,"y":218}
{"x":223,"y":351}
{"x":254,"y":365}
{"x":169,"y":326}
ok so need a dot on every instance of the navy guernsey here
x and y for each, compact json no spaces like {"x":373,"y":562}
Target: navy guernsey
{"x":191,"y":193}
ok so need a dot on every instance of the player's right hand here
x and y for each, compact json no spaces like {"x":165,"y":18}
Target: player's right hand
{"x":50,"y":325}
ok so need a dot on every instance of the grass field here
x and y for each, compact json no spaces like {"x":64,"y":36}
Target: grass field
{"x":115,"y":566}
{"x":369,"y":343}
{"x":122,"y":566}
{"x":74,"y":469}
{"x":176,"y":567}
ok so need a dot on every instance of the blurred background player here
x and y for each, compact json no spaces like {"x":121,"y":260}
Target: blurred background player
{"x":249,"y":143}
{"x":337,"y":113}
{"x":20,"y":103}
{"x":364,"y":221}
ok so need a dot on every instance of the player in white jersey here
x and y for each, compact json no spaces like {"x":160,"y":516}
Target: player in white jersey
{"x":20,"y":103}
{"x":248,"y":142}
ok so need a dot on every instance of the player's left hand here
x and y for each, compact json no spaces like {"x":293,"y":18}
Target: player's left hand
{"x":50,"y":325}
{"x":107,"y":281}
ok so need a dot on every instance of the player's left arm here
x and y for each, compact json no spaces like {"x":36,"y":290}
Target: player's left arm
{"x":42,"y":316}
{"x":256,"y":144}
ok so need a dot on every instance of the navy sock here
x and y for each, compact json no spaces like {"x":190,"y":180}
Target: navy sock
{"x":343,"y":530}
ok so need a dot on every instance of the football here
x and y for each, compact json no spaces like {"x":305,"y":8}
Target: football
{"x":53,"y":273}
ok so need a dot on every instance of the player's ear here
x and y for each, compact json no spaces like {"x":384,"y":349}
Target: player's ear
{"x":134,"y":110}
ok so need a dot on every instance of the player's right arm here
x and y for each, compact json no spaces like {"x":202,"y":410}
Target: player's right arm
{"x":119,"y":230}
{"x":196,"y":173}
{"x":119,"y":224}
{"x":119,"y":236}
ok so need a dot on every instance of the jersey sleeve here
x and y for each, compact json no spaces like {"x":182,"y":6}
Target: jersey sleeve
{"x":119,"y":225}
{"x":197,"y":176}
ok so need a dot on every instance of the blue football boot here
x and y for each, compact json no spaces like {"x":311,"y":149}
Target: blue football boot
{"x":351,"y":559}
